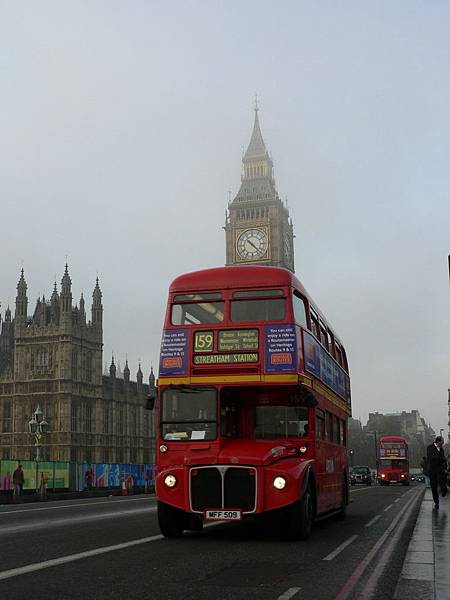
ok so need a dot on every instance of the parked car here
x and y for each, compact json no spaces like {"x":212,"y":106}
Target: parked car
{"x":361,"y":475}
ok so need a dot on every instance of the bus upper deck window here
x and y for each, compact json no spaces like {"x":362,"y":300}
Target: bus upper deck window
{"x":197,"y":297}
{"x":338,"y":352}
{"x":258,"y":305}
{"x":194,"y":313}
{"x":264,"y":309}
{"x":315,"y":324}
{"x":324,"y":336}
{"x":257,"y":293}
{"x":299,"y":310}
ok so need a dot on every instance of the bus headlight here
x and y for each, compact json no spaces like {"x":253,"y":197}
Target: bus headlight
{"x":170,"y":481}
{"x":279,"y":483}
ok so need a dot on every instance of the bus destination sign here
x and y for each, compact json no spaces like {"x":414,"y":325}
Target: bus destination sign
{"x":234,"y":340}
{"x":225,"y":359}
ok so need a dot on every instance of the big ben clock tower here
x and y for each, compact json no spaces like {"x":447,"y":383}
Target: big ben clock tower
{"x":258,"y":229}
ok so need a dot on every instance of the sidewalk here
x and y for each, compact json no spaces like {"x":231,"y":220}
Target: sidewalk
{"x":425,"y":574}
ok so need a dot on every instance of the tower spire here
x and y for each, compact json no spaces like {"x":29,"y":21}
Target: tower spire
{"x":256,"y":147}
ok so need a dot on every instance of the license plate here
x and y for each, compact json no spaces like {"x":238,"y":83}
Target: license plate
{"x":223,"y":515}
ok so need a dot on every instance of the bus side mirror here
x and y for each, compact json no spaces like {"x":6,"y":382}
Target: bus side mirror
{"x":150,"y":404}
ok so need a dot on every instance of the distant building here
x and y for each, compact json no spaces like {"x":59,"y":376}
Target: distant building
{"x":258,"y":228}
{"x":54,"y":359}
{"x":409,"y":425}
{"x":406,"y":424}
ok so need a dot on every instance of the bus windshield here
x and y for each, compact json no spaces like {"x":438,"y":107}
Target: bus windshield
{"x":189,"y":414}
{"x":394,"y":464}
{"x":281,"y":421}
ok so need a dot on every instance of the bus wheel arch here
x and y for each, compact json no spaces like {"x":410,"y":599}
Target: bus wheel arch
{"x":171,"y":520}
{"x":300,"y":515}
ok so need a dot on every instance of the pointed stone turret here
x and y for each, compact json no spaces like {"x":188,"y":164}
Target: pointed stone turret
{"x":82,"y":310}
{"x":54,"y":306}
{"x":139,"y":378}
{"x":151,"y":379}
{"x":21,"y":301}
{"x":112,"y":369}
{"x":66,"y":296}
{"x":126,"y":372}
{"x":8,"y":315}
{"x":97,"y":307}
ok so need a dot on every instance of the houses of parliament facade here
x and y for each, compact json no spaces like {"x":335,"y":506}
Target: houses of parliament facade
{"x":53,"y":359}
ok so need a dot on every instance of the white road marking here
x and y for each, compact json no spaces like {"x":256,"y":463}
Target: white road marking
{"x":71,"y":520}
{"x":388,"y":507}
{"x":364,"y":489}
{"x":73,"y":557}
{"x":85,"y":504}
{"x":355,"y":577}
{"x":289,"y":593}
{"x":340,"y":548}
{"x":398,"y":500}
{"x":372,"y":521}
{"x":62,"y":560}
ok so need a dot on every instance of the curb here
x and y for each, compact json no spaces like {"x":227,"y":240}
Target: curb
{"x":417,"y":577}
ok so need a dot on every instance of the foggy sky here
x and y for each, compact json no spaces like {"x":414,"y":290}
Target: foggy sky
{"x":121,"y":131}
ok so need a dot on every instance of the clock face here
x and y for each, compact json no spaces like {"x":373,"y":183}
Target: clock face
{"x":252,"y":244}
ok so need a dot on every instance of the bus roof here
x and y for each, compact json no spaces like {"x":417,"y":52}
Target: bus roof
{"x":392,"y":438}
{"x":235,"y":276}
{"x":246,"y":276}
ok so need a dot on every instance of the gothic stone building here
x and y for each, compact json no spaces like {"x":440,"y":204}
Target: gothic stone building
{"x":54,"y":359}
{"x":258,"y":229}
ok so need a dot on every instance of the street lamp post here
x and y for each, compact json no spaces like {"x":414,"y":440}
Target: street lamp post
{"x":37,"y":427}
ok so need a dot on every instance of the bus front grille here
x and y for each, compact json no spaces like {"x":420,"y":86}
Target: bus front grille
{"x":223,"y":487}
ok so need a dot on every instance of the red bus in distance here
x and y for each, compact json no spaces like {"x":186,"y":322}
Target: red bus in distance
{"x":393,"y":461}
{"x":253,"y":403}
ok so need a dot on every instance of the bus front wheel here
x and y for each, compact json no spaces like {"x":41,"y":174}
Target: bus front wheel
{"x":300,"y":517}
{"x":170,"y":520}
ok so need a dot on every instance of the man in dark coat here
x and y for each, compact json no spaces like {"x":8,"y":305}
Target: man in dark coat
{"x":437,"y":467}
{"x":18,"y":481}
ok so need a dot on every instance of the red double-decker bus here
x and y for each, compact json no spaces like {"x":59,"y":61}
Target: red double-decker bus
{"x":393,"y":462}
{"x":253,"y":403}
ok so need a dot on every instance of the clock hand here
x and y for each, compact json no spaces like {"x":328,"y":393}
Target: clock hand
{"x":252,"y":244}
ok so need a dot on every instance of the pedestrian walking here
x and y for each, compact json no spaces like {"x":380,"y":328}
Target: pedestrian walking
{"x":437,"y":469}
{"x":18,"y":481}
{"x":89,"y":476}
